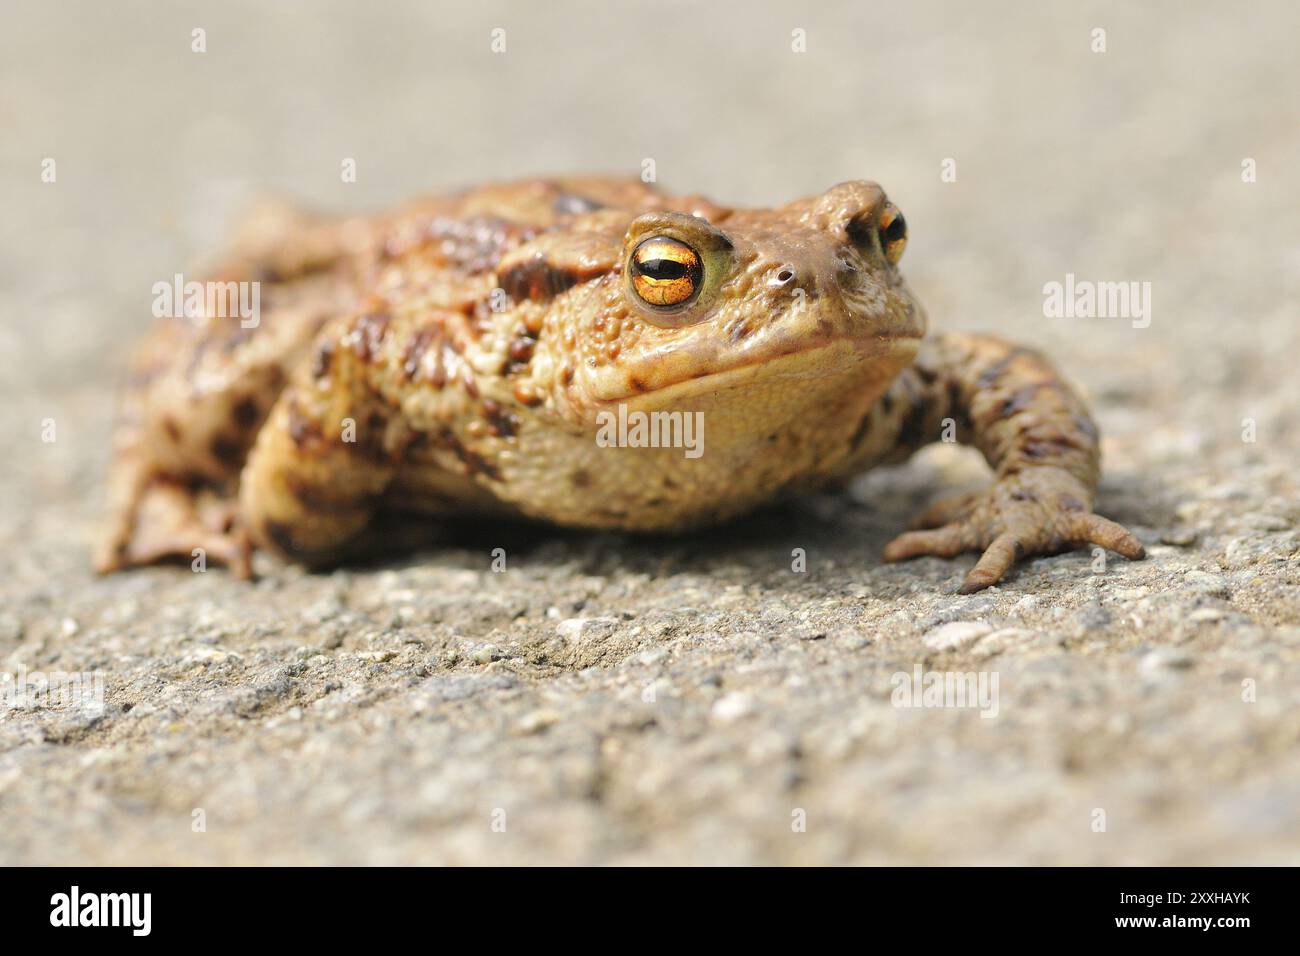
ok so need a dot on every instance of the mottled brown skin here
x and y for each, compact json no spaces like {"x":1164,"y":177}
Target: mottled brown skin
{"x":452,"y":357}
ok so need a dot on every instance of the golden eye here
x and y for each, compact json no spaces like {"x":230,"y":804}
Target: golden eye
{"x":893,"y":233}
{"x":666,"y":272}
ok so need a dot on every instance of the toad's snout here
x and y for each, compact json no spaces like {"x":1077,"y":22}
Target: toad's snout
{"x":849,"y":206}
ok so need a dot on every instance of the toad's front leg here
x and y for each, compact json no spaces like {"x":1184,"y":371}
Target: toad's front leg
{"x":326,"y":454}
{"x":1035,"y":433}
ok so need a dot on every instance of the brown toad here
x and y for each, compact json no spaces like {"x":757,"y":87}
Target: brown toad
{"x":468,"y":355}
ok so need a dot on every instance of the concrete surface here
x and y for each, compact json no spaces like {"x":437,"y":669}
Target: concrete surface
{"x":612,"y":700}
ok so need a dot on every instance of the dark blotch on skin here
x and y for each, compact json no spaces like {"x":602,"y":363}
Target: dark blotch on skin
{"x":1020,"y":399}
{"x":957,"y":406}
{"x":571,"y":204}
{"x":172,"y":429}
{"x":477,"y":243}
{"x":521,"y":350}
{"x":580,"y":479}
{"x":311,"y":497}
{"x":537,"y":280}
{"x":301,"y":428}
{"x":527,"y":397}
{"x":503,"y":424}
{"x":280,"y":535}
{"x":995,"y":371}
{"x":912,"y":432}
{"x":859,"y":434}
{"x":1040,"y":448}
{"x":321,"y":361}
{"x":415,"y":351}
{"x":475,"y":464}
{"x":227,"y":452}
{"x":925,"y":373}
{"x":1086,"y":426}
{"x":370,"y":328}
{"x":246,"y":412}
{"x":372,"y":436}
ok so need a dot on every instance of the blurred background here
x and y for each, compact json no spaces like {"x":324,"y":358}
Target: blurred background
{"x":1122,"y":165}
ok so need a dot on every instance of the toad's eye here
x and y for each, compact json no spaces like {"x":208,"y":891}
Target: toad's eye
{"x":666,"y":272}
{"x":893,"y":233}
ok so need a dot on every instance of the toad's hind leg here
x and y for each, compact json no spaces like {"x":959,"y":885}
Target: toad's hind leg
{"x":175,"y":500}
{"x":200,"y":388}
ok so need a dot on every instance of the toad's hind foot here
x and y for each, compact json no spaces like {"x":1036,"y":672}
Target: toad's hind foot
{"x":1038,"y":511}
{"x":172,"y":521}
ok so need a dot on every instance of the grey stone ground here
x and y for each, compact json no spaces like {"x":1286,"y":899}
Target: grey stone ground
{"x":386,"y":714}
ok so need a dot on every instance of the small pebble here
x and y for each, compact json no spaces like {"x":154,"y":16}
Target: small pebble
{"x":732,"y":707}
{"x":578,"y":629}
{"x":955,"y":635}
{"x":1005,"y":639}
{"x":1206,"y":583}
{"x":537,"y":721}
{"x":1092,"y":616}
{"x":1164,"y":658}
{"x":849,"y":638}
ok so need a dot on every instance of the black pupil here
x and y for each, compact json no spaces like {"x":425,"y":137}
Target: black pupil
{"x":663,"y":268}
{"x":897,"y":229}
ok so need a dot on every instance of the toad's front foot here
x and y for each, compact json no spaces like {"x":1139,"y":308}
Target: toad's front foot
{"x":1041,"y":510}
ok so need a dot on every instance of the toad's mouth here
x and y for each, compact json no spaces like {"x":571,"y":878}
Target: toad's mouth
{"x":813,"y":364}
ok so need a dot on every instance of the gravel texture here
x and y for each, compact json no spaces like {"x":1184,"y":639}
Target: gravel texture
{"x":608,"y":699}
